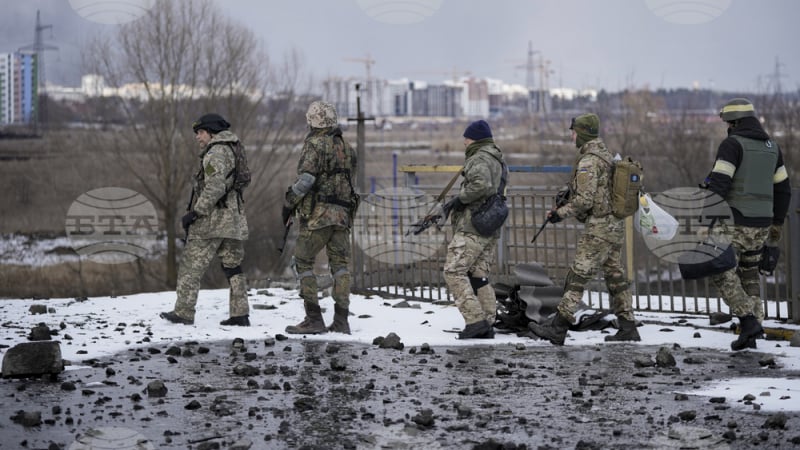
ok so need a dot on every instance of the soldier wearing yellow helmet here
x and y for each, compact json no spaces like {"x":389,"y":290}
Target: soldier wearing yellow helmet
{"x":750,"y":175}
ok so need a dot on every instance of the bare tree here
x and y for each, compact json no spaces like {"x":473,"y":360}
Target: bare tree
{"x":185,"y":58}
{"x":781,"y":115}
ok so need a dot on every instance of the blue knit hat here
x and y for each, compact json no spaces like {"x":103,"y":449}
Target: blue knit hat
{"x":478,"y":130}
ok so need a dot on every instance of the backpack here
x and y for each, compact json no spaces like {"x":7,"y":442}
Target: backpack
{"x":240,"y":172}
{"x":492,"y":213}
{"x":626,"y":183}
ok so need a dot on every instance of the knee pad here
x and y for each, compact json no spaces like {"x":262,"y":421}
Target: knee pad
{"x":341,"y":272}
{"x":574,"y":282}
{"x":232,"y":271}
{"x":477,"y":283}
{"x":750,"y":259}
{"x":306,"y":274}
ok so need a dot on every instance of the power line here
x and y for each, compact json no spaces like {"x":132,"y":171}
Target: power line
{"x":38,"y":48}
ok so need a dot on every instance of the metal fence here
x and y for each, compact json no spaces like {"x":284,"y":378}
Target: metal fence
{"x":656,"y":283}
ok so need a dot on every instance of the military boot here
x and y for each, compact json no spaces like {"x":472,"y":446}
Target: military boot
{"x":312,"y":324}
{"x":555,"y":331}
{"x":626,"y":331}
{"x":749,"y":331}
{"x":477,"y":330}
{"x":340,"y":324}
{"x":240,"y":321}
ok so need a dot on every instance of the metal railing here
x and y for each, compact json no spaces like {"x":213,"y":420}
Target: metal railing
{"x":656,"y":283}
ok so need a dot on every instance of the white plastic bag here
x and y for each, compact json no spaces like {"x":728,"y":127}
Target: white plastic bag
{"x":652,"y":221}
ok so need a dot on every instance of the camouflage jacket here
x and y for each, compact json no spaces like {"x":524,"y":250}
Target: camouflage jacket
{"x":590,"y":192}
{"x":220,"y":215}
{"x":482,"y":172}
{"x":331,"y":201}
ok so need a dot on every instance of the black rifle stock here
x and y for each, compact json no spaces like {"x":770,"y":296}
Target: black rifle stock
{"x":431,"y":218}
{"x":286,"y":235}
{"x":188,"y":208}
{"x":562,"y":197}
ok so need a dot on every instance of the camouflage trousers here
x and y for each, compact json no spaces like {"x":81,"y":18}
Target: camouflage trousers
{"x":593,"y":253}
{"x":739,"y":287}
{"x":466,"y":272}
{"x":196,"y":258}
{"x":336,"y":242}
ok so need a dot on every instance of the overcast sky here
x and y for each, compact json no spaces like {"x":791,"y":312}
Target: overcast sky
{"x":610,"y":44}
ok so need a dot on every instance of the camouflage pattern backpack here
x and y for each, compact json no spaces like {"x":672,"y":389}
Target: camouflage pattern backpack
{"x":240,"y":172}
{"x":625,"y":184}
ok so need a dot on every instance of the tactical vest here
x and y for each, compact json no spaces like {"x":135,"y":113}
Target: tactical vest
{"x":601,"y":200}
{"x":200,"y":178}
{"x":751,"y":193}
{"x":335,"y":184}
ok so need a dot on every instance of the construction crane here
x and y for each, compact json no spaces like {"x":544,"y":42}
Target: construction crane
{"x":368,"y":63}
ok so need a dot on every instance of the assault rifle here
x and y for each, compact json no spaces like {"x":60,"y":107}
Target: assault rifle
{"x":188,"y":208}
{"x":562,"y":197}
{"x":288,"y":226}
{"x":434,"y":215}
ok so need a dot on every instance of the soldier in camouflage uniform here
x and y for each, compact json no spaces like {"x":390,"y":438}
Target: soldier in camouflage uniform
{"x":469,"y":254}
{"x":750,"y":175}
{"x":600,"y":245}
{"x":215,"y":224}
{"x":324,"y":201}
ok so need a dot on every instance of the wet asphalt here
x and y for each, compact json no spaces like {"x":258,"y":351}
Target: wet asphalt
{"x":293,"y":393}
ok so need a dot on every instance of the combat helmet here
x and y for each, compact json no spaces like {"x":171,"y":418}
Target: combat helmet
{"x":589,"y":124}
{"x":736,"y":109}
{"x":211,"y":122}
{"x":321,"y":115}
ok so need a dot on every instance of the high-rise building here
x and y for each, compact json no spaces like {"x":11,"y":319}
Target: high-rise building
{"x":19,"y":88}
{"x":29,"y":87}
{"x":6,"y":88}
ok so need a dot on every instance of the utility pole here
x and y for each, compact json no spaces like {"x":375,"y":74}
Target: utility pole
{"x":38,"y":48}
{"x":368,"y":62}
{"x":530,"y":68}
{"x":361,"y":179}
{"x":776,"y":77}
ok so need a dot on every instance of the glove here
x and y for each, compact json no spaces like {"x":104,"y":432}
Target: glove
{"x":188,"y":219}
{"x":774,"y":237}
{"x":553,"y":216}
{"x":286,"y":213}
{"x":562,"y":197}
{"x":769,"y":260}
{"x":453,"y":204}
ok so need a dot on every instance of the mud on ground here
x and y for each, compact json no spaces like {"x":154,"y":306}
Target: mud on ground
{"x":316,"y":395}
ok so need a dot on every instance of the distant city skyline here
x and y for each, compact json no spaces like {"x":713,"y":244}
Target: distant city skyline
{"x":725,"y":45}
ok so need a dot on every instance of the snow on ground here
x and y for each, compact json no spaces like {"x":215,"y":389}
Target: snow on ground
{"x":35,"y":251}
{"x":103,"y":326}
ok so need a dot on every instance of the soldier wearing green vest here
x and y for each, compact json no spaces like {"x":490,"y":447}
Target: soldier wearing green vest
{"x":750,"y":175}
